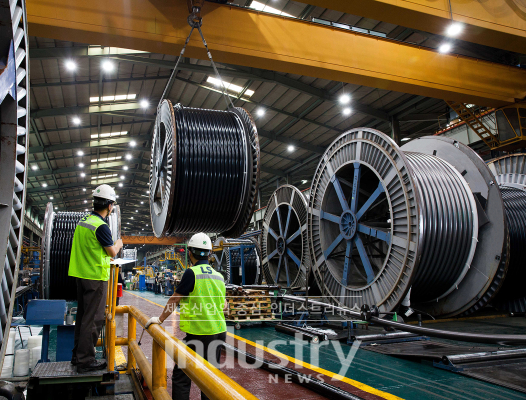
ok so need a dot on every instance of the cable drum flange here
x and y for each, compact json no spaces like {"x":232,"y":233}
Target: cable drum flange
{"x":509,"y":170}
{"x":284,"y":241}
{"x":58,"y":232}
{"x":204,"y":170}
{"x":363,"y":222}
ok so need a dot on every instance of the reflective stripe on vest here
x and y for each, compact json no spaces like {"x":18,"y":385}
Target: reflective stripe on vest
{"x":88,"y":259}
{"x":201,"y":312}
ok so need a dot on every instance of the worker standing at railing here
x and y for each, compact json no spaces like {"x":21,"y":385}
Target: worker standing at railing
{"x":201,"y":295}
{"x":91,"y":251}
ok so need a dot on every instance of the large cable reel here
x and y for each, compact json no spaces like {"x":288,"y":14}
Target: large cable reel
{"x":57,"y":239}
{"x":384,"y":220}
{"x":284,"y":242}
{"x":14,"y":143}
{"x":510,"y":174}
{"x":204,"y":170}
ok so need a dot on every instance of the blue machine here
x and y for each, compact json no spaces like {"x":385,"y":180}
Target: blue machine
{"x":142,"y":282}
{"x":169,"y":287}
{"x":46,"y":313}
{"x":241,"y":248}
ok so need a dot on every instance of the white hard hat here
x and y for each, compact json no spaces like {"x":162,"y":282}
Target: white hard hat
{"x":200,"y":241}
{"x":105,"y":192}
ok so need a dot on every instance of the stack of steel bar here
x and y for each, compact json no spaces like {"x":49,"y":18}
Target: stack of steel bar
{"x":245,"y":305}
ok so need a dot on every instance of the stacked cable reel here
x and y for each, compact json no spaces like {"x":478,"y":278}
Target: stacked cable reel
{"x":57,"y":239}
{"x":14,"y":142}
{"x":425,"y":220}
{"x":228,"y":261}
{"x":204,"y":170}
{"x":284,"y":242}
{"x":510,"y":175}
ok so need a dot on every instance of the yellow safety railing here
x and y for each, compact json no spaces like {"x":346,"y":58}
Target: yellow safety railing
{"x":214,"y":383}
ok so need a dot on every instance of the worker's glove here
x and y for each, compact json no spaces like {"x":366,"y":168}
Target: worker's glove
{"x":152,"y":320}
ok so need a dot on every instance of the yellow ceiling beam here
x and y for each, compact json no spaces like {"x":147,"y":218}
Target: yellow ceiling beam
{"x":247,"y":38}
{"x":495,"y":23}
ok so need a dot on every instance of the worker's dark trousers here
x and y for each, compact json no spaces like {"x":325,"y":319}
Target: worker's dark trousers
{"x":91,"y":298}
{"x":180,"y":382}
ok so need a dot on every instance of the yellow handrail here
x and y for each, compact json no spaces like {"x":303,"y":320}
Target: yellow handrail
{"x":214,"y":383}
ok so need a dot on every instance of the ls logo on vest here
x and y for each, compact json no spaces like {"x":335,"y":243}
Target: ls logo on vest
{"x":207,"y":270}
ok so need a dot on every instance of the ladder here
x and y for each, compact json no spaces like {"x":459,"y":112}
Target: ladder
{"x":474,"y":122}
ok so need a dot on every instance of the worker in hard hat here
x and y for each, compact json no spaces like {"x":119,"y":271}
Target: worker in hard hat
{"x":201,"y":297}
{"x":89,"y":262}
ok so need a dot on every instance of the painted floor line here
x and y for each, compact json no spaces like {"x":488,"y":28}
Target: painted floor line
{"x":352,"y":382}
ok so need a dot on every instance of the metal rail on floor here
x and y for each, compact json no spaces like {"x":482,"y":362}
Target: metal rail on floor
{"x":215,"y":384}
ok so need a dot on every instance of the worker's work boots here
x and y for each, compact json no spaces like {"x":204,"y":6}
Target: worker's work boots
{"x":94,"y":366}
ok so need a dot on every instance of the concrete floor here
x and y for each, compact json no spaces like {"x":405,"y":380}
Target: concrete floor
{"x":370,"y":375}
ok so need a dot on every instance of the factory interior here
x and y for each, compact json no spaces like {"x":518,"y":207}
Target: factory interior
{"x":272,"y":199}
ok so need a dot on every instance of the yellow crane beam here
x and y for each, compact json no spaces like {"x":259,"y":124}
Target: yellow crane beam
{"x":495,"y":23}
{"x":247,"y":38}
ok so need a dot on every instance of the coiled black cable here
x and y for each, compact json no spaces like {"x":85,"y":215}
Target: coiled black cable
{"x":252,"y":261}
{"x":511,"y":295}
{"x":61,"y":285}
{"x":448,"y":226}
{"x":204,"y":170}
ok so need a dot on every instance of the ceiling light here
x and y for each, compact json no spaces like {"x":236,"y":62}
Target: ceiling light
{"x":50,"y":197}
{"x":260,"y":112}
{"x":86,"y":209}
{"x":85,"y":201}
{"x":142,"y":202}
{"x":108,"y":134}
{"x":107,"y":159}
{"x":144,"y":103}
{"x":304,"y":181}
{"x":70,"y":65}
{"x":229,"y":86}
{"x":107,"y":66}
{"x":76,"y":120}
{"x":82,"y":174}
{"x":125,"y":168}
{"x":84,"y":189}
{"x":444,"y":48}
{"x":143,"y":230}
{"x":290,"y":148}
{"x":405,"y":139}
{"x":347,"y":111}
{"x":120,"y":184}
{"x":81,"y":165}
{"x":117,"y":196}
{"x":80,"y":153}
{"x":148,"y":192}
{"x":44,"y":184}
{"x":122,"y":176}
{"x":136,"y":210}
{"x":56,"y":208}
{"x":345,"y":99}
{"x":131,"y":217}
{"x":454,"y":29}
{"x":34,"y":167}
{"x":128,"y":157}
{"x":133,"y":143}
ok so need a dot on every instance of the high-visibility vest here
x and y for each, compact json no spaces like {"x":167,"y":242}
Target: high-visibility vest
{"x":88,"y":259}
{"x":201,"y":312}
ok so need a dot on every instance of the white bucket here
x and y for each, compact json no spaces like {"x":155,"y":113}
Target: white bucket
{"x":21,"y":367}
